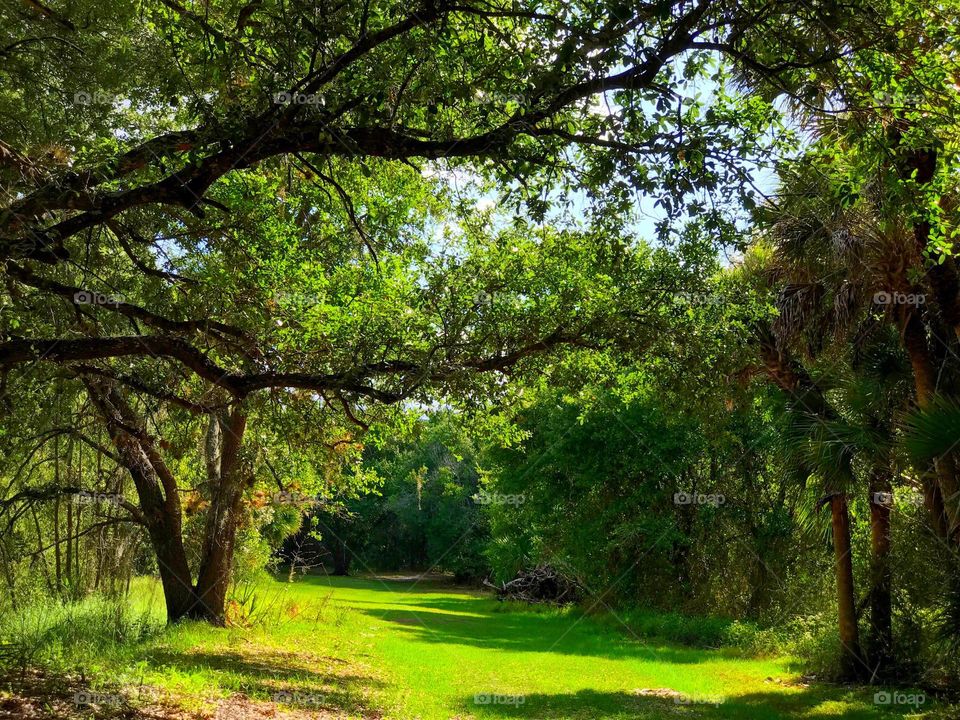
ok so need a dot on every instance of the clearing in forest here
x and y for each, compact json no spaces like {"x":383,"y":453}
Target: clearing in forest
{"x":401,"y":648}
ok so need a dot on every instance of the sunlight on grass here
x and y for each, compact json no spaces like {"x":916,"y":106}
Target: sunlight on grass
{"x":360,"y":647}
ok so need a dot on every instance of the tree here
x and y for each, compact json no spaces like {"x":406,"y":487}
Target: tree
{"x":156,"y":189}
{"x":861,"y":237}
{"x":449,"y":339}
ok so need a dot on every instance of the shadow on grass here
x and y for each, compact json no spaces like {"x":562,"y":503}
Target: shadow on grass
{"x":482,"y":607}
{"x":810,"y":703}
{"x":288,"y":676}
{"x":478,"y":621}
{"x":531,"y":632}
{"x":470,"y":619}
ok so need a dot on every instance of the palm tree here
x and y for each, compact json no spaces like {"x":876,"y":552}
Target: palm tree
{"x":844,"y":266}
{"x":851,"y":279}
{"x":813,"y":450}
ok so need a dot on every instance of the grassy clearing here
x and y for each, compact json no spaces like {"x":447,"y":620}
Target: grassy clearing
{"x":366,"y":648}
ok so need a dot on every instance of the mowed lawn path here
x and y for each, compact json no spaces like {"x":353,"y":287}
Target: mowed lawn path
{"x":405,"y":649}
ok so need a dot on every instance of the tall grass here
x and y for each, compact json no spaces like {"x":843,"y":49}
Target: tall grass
{"x":53,"y":634}
{"x":48,"y":632}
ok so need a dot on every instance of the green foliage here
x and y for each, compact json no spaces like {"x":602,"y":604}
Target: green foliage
{"x":603,"y":486}
{"x":930,"y":432}
{"x":424,"y":515}
{"x":507,"y":217}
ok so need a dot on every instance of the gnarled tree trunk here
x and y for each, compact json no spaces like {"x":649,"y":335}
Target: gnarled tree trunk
{"x":160,"y":509}
{"x":220,"y":532}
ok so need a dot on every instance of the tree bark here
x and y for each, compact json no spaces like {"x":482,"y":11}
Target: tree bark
{"x":160,"y":504}
{"x":220,"y":531}
{"x":942,"y":482}
{"x":160,"y":508}
{"x":69,"y":553}
{"x":8,"y":575}
{"x":57,"y":566}
{"x":40,"y":553}
{"x":56,"y":516}
{"x":792,"y":378}
{"x":851,"y":659}
{"x":943,"y":503}
{"x":921,"y":164}
{"x":881,"y":605}
{"x":178,"y":590}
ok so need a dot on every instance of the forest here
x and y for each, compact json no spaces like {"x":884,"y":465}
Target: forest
{"x":479,"y":359}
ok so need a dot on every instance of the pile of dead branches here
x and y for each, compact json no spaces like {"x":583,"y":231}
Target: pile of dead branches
{"x":542,"y":584}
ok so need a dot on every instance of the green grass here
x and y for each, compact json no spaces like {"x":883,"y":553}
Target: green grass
{"x":395,"y":649}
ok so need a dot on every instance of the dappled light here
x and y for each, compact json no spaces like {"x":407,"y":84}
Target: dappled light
{"x":479,"y":359}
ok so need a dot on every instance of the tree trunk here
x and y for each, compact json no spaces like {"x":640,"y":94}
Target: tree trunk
{"x":178,"y":591}
{"x":57,"y":566}
{"x":78,"y":531}
{"x":68,"y":570}
{"x":758,"y":600}
{"x":341,"y":557}
{"x":56,"y":516}
{"x":851,"y":660}
{"x":40,"y":552}
{"x":220,"y":531}
{"x":8,"y":575}
{"x":160,"y":509}
{"x":921,"y":164}
{"x":78,"y":565}
{"x":881,"y":605}
{"x":942,"y":482}
{"x":790,"y":376}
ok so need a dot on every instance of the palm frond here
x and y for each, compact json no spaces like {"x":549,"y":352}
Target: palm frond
{"x":933,"y":431}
